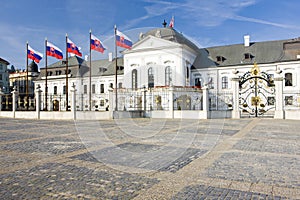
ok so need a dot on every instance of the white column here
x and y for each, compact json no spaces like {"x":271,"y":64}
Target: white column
{"x":38,"y":101}
{"x":14,"y":101}
{"x":205,"y":103}
{"x":144,"y":99}
{"x":111,"y":102}
{"x":236,"y":97}
{"x":171,"y":101}
{"x":278,"y":79}
{"x":1,"y":94}
{"x":73,"y":105}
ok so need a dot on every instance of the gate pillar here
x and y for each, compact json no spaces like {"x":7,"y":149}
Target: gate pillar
{"x":278,"y":79}
{"x":111,"y":103}
{"x":235,"y":98}
{"x":73,"y":105}
{"x":38,"y":92}
{"x":171,"y":102}
{"x":14,"y":101}
{"x":1,"y":94}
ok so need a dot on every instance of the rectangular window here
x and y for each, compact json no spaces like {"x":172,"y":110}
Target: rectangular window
{"x":93,"y":89}
{"x":224,"y":82}
{"x":55,"y":90}
{"x":101,"y":102}
{"x":101,"y":88}
{"x":85,"y":89}
{"x":64,"y":89}
{"x":288,"y":79}
{"x":0,"y":77}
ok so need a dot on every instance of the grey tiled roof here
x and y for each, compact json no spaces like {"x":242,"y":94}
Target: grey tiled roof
{"x":80,"y":68}
{"x":261,"y":52}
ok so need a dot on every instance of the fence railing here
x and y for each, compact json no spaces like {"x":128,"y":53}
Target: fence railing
{"x":220,"y":100}
{"x":128,"y":100}
{"x":24,"y":102}
{"x":291,"y":101}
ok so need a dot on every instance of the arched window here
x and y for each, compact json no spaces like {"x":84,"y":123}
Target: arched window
{"x":187,"y":72}
{"x":150,"y":78}
{"x":64,"y":89}
{"x":120,"y":85}
{"x":55,"y":90}
{"x":288,"y":79}
{"x":134,"y":79}
{"x":198,"y":82}
{"x":168,"y":76}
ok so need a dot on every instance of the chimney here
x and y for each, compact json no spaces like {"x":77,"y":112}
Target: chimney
{"x":246,"y":40}
{"x":110,"y":57}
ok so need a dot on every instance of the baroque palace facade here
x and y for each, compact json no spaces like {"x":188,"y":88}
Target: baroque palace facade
{"x":163,"y":57}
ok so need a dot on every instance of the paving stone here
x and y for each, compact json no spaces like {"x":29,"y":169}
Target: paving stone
{"x":56,"y":145}
{"x":144,"y":156}
{"x":204,"y":192}
{"x":72,"y":180}
{"x":50,"y":159}
{"x":278,"y":170}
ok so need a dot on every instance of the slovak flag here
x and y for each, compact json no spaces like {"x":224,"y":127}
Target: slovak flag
{"x":34,"y":55}
{"x":171,"y":25}
{"x":96,"y":44}
{"x":72,"y":48}
{"x":54,"y":51}
{"x":122,"y":40}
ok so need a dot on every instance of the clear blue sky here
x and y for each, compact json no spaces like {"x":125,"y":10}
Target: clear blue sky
{"x":207,"y":22}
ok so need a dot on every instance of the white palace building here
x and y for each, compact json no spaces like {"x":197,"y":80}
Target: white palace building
{"x":164,"y":71}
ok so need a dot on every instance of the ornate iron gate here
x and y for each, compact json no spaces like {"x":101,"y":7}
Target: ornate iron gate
{"x":257,"y":92}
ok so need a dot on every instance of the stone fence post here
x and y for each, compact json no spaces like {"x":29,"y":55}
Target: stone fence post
{"x":171,"y":101}
{"x":205,"y":102}
{"x":236,"y":97}
{"x":73,"y":105}
{"x":111,"y":102}
{"x":1,"y":94}
{"x":278,"y":79}
{"x":14,"y":101}
{"x":38,"y":92}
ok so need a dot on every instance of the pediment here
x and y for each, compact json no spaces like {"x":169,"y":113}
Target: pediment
{"x":152,"y":43}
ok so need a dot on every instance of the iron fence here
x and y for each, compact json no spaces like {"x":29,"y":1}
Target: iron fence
{"x":291,"y":101}
{"x":220,"y":100}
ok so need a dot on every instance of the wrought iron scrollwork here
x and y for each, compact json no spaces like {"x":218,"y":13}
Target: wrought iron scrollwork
{"x":256,"y":92}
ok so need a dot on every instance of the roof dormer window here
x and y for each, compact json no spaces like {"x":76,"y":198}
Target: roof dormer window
{"x":220,"y":59}
{"x":248,"y":56}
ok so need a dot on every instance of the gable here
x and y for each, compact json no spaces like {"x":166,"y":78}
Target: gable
{"x":152,"y":43}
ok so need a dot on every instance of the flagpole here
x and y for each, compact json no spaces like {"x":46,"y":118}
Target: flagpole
{"x":90,"y":75}
{"x":67,"y":74}
{"x":46,"y":79}
{"x":27,"y":75}
{"x":116,"y":70}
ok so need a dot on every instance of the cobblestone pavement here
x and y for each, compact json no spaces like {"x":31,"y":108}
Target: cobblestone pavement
{"x":150,"y":159}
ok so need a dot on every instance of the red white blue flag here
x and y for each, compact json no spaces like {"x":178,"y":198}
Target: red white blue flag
{"x":96,"y":44}
{"x":53,"y":51}
{"x":72,"y":48}
{"x":34,"y":55}
{"x":172,"y":22}
{"x":122,"y":40}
